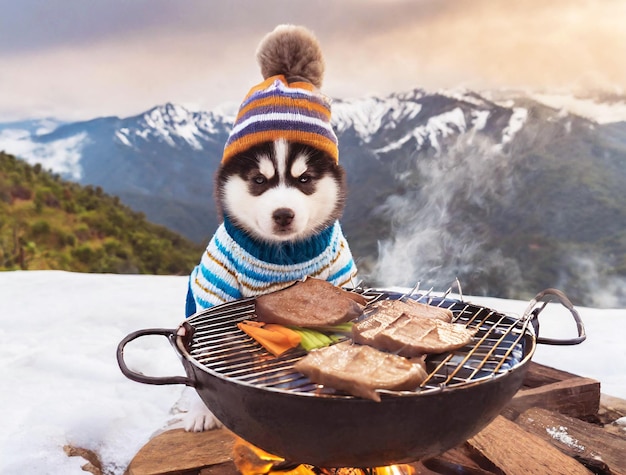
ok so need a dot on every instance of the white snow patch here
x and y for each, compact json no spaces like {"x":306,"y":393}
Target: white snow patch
{"x":516,"y":122}
{"x":368,"y":115}
{"x":439,"y":126}
{"x":122,"y":136}
{"x":560,"y":434}
{"x":479,"y":119}
{"x":170,"y":121}
{"x":61,"y":383}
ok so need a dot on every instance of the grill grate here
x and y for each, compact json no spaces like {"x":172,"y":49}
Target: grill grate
{"x":224,"y":350}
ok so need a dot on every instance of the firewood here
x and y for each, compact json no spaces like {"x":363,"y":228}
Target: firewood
{"x":587,"y":443}
{"x":576,"y":397}
{"x":512,"y":450}
{"x":177,"y":451}
{"x":540,"y":375}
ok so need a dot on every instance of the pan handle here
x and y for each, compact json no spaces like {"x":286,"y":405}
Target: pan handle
{"x":142,"y":378}
{"x":532,"y":314}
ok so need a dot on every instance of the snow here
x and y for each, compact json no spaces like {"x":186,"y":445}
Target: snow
{"x":441,"y":125}
{"x":370,"y":114}
{"x":479,"y":119}
{"x":445,"y":124}
{"x":61,"y":383}
{"x":172,"y":121}
{"x":518,"y":118}
{"x":560,"y":434}
{"x":122,"y":136}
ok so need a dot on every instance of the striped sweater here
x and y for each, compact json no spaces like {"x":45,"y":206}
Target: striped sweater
{"x":235,"y":265}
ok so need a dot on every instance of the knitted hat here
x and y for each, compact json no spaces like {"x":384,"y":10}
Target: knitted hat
{"x":287,"y":104}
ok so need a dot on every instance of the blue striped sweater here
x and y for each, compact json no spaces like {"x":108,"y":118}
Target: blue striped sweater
{"x":235,"y":265}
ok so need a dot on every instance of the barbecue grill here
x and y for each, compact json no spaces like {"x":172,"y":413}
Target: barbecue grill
{"x":262,"y":399}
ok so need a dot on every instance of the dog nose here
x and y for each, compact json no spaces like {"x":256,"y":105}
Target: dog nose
{"x":283,"y":216}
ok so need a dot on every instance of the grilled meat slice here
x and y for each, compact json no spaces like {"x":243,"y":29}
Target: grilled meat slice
{"x":360,"y":370}
{"x":408,"y":336}
{"x":393,"y":308}
{"x":309,"y":303}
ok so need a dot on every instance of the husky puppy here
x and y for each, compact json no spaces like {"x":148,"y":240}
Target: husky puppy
{"x":279,"y":189}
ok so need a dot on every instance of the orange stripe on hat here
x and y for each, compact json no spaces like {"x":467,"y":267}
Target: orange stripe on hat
{"x":285,"y":101}
{"x":314,"y":140}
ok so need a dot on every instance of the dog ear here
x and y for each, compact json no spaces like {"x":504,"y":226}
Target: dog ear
{"x":292,"y":51}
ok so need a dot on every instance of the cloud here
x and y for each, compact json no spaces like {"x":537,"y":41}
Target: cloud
{"x":76,"y":59}
{"x":57,"y":23}
{"x":487,"y":44}
{"x":62,"y":156}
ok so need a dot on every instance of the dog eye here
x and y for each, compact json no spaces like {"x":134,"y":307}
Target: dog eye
{"x":304,"y":178}
{"x":259,"y":179}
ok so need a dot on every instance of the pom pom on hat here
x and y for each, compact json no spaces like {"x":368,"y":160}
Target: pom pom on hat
{"x":291,"y":51}
{"x":287,"y":104}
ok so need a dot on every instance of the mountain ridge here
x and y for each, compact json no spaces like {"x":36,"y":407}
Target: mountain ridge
{"x":506,"y":192}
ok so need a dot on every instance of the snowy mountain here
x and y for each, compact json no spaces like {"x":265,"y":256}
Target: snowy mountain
{"x":158,"y":162}
{"x":499,"y":190}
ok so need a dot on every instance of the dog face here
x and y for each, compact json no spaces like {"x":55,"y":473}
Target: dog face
{"x":281,"y":191}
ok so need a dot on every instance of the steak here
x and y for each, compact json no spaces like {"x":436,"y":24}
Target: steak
{"x":360,"y":370}
{"x":393,"y":308}
{"x":309,"y":303}
{"x":406,"y":335}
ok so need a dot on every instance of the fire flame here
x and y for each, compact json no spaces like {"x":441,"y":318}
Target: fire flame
{"x":403,"y":469}
{"x":251,"y":460}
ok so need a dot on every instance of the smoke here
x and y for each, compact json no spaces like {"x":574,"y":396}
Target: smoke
{"x":464,"y":214}
{"x":590,"y":276}
{"x":439,"y":222}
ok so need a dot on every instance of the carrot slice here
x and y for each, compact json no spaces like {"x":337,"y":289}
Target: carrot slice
{"x":292,"y":336}
{"x":254,"y":323}
{"x":273,"y":339}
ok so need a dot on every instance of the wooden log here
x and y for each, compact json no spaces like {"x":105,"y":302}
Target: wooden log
{"x":177,"y":452}
{"x":226,"y":468}
{"x":511,"y":451}
{"x":456,"y":460}
{"x":591,"y":445}
{"x":576,"y":397}
{"x":540,"y":375}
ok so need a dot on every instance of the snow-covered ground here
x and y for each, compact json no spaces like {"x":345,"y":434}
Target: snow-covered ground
{"x":60,"y":383}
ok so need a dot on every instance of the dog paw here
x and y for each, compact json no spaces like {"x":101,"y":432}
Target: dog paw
{"x":199,"y":418}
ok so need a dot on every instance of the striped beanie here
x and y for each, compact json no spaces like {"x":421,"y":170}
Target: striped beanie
{"x":276,"y":109}
{"x":288,"y":103}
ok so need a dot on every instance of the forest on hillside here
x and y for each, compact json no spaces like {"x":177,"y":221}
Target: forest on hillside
{"x":50,"y":223}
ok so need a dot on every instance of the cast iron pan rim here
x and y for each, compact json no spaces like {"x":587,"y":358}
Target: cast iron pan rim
{"x":529,"y":333}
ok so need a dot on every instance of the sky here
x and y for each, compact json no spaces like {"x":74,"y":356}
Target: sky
{"x":61,"y":383}
{"x":77,"y":60}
